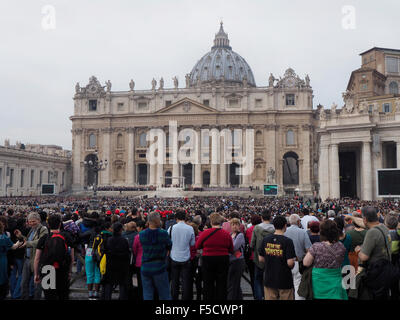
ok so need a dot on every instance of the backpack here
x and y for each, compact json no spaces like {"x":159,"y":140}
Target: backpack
{"x":55,"y":252}
{"x":247,"y":249}
{"x":98,"y":255}
{"x":73,"y":230}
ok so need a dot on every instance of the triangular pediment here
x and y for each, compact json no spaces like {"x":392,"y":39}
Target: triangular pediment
{"x":186,"y":105}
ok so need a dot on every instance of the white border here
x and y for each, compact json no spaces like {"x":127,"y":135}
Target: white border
{"x":377,"y":183}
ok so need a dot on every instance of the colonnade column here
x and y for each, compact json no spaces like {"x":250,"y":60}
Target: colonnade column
{"x":366,"y":171}
{"x":398,"y":154}
{"x":335,"y":181}
{"x":323,"y":172}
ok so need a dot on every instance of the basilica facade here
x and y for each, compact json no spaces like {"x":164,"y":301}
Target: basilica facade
{"x":219,"y":95}
{"x":224,"y":123}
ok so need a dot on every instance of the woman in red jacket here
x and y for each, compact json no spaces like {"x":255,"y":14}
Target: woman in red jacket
{"x":217,"y":244}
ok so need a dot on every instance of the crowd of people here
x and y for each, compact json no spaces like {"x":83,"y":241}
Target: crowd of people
{"x":199,"y":248}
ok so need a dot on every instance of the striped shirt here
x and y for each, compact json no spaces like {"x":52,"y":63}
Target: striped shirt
{"x":155,"y":244}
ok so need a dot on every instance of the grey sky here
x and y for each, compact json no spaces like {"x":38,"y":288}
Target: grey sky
{"x":123,"y":40}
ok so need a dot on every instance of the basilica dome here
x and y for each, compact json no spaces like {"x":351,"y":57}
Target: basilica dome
{"x":222,"y":64}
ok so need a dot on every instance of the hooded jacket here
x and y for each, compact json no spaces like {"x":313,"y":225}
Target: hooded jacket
{"x":259,"y":233}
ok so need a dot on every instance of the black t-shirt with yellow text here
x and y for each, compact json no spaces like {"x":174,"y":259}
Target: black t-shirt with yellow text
{"x":276,"y":250}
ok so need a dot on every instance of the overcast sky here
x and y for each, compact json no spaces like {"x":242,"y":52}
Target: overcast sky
{"x":122,"y":40}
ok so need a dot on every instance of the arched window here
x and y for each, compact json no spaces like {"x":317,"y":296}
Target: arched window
{"x":142,"y":139}
{"x":393,"y":88}
{"x":259,"y":138}
{"x":290,"y":168}
{"x":290,"y":138}
{"x":92,"y":141}
{"x":120,"y":141}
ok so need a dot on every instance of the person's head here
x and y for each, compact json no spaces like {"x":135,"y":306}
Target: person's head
{"x":154,"y":220}
{"x":180,"y":215}
{"x":235,"y":225}
{"x":314,"y":226}
{"x":266,"y":215}
{"x":255,"y":219}
{"x":2,"y":227}
{"x":130,"y":226}
{"x":306,"y":211}
{"x":197,"y":220}
{"x":392,"y":220}
{"x":340,"y":224}
{"x":216,"y":219}
{"x":329,"y":231}
{"x":331,"y":214}
{"x":370,"y":215}
{"x":280,"y":223}
{"x":33,"y":219}
{"x":140,"y":225}
{"x":117,"y":228}
{"x":195,"y":227}
{"x":54,"y":221}
{"x":294,"y":219}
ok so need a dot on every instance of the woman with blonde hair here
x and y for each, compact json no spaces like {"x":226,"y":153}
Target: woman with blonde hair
{"x":217,"y":244}
{"x":236,"y":261}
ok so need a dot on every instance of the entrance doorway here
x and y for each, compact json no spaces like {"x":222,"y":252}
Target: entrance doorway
{"x":348,"y":174}
{"x":142,"y":174}
{"x":188,"y":173}
{"x":234,"y":178}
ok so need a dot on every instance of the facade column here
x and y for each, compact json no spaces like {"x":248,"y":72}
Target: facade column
{"x":306,"y":170}
{"x":215,"y":148}
{"x":160,"y":174}
{"x":222,"y":164}
{"x":366,"y":171}
{"x":270,"y":154}
{"x":76,"y":160}
{"x":175,"y":174}
{"x":334,"y":165}
{"x":131,"y":157}
{"x":153,"y":169}
{"x":323,"y":172}
{"x":398,"y":154}
{"x":106,"y":173}
{"x":197,"y":166}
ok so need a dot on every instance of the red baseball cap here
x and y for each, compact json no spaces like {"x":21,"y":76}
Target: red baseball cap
{"x":108,"y":213}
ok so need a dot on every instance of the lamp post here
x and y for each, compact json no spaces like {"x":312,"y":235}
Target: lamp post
{"x":96,"y":166}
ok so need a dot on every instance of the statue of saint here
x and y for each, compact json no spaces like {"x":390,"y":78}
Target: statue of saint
{"x":322,"y":114}
{"x":161,"y":83}
{"x":271,"y":80}
{"x":175,"y":79}
{"x":153,"y":84}
{"x":108,"y":84}
{"x":132,"y":85}
{"x":245,"y":81}
{"x":307,"y":80}
{"x":187,"y":78}
{"x":77,"y":88}
{"x":333,"y":108}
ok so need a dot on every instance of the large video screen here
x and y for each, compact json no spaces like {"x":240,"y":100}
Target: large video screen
{"x":270,"y":190}
{"x":48,"y":189}
{"x":389,"y":183}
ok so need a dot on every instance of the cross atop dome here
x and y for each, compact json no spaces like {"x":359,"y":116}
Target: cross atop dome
{"x":221,"y":38}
